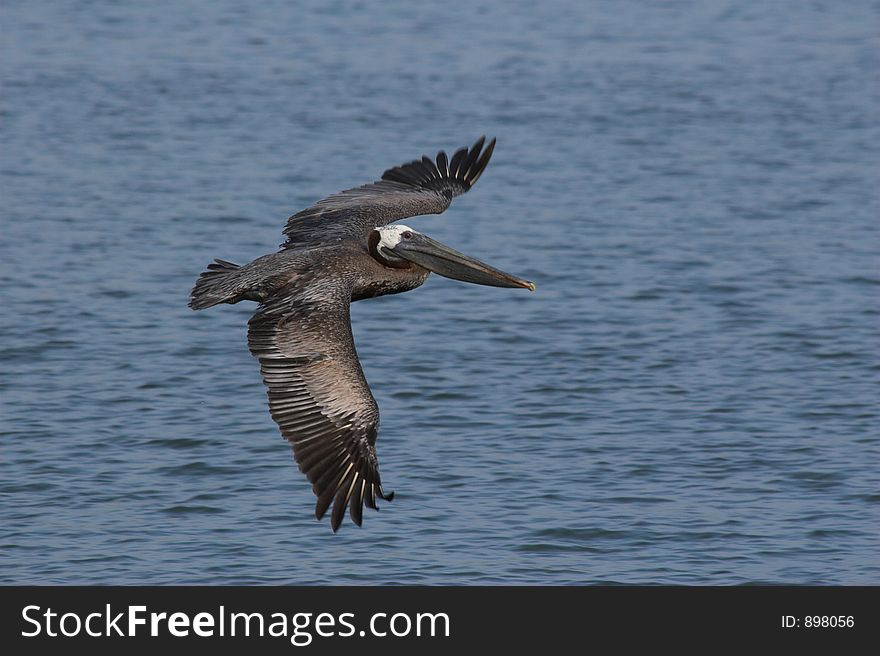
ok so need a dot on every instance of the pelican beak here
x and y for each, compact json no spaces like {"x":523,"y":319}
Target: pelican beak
{"x":442,"y":260}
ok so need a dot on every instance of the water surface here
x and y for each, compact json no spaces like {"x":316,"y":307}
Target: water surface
{"x":689,"y":397}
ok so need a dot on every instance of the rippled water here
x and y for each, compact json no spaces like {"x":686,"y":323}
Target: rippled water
{"x":690,"y":397}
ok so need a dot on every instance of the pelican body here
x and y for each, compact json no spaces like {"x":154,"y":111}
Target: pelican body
{"x":344,"y":248}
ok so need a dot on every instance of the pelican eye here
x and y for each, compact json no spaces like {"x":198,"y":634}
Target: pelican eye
{"x":407,"y":235}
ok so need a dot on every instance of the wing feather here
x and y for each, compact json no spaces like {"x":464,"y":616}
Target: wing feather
{"x":423,"y":186}
{"x":317,"y":393}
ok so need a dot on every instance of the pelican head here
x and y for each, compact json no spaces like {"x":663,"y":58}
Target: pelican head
{"x":395,"y":245}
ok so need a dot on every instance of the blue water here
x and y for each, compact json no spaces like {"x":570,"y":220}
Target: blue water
{"x":691,"y":396}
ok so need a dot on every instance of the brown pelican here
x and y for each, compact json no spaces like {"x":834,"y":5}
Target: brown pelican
{"x":339,"y":250}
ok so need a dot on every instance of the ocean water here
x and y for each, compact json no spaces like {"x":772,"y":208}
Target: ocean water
{"x":690,"y":397}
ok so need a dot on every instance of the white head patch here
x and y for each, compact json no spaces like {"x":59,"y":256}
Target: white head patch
{"x":390,"y":236}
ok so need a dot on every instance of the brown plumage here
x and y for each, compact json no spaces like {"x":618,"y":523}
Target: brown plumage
{"x":337,"y":251}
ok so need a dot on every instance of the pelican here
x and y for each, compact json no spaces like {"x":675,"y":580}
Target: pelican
{"x":344,"y":248}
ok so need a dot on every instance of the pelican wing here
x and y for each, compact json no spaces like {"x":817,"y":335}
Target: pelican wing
{"x":318,"y":395}
{"x":422,"y":186}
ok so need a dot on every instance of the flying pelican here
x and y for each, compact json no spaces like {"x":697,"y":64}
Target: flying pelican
{"x":343,"y":248}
